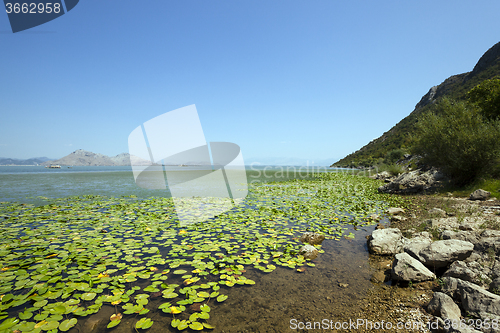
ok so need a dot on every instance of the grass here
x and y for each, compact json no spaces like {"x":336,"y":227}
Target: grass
{"x":393,"y":169}
{"x":491,"y":185}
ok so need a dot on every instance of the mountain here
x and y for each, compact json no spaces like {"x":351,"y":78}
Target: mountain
{"x":455,"y":87}
{"x":29,"y":161}
{"x":87,"y":158}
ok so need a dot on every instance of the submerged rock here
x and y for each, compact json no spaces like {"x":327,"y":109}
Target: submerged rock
{"x":309,"y":252}
{"x":312,"y":238}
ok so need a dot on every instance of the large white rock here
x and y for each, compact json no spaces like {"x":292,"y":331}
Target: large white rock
{"x":442,"y":305}
{"x":386,"y":241}
{"x":443,"y":252}
{"x":406,"y":268}
{"x":414,"y":245}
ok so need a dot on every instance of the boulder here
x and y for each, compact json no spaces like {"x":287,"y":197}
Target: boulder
{"x":468,"y":272}
{"x":309,"y":252}
{"x":413,"y":246}
{"x":495,"y":286}
{"x":488,"y":244}
{"x":479,"y":195}
{"x":414,"y":182}
{"x":468,"y":236}
{"x":442,"y":305}
{"x":443,"y":252}
{"x":386,"y":241}
{"x":312,"y":238}
{"x":406,"y":268}
{"x":476,"y":300}
{"x":437,"y":212}
{"x":490,"y":233}
{"x":395,"y":211}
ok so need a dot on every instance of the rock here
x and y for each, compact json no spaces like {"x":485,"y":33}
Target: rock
{"x":443,"y":252}
{"x":479,"y":195}
{"x":397,"y":218}
{"x":378,"y":277}
{"x":495,"y":286}
{"x":312,"y":238}
{"x":374,"y":217}
{"x":386,"y":241}
{"x":395,"y":211}
{"x":465,"y":227}
{"x":414,"y":182}
{"x":414,"y":245}
{"x":309,"y":252}
{"x":476,"y":301}
{"x":490,"y":233}
{"x":437,"y":212}
{"x":343,"y":285}
{"x":449,"y":286}
{"x":443,"y":306}
{"x":488,"y":244}
{"x":467,"y":272}
{"x":407,"y":268}
{"x":382,"y":175}
{"x":460,"y":235}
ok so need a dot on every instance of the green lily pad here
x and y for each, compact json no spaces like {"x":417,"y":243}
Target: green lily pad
{"x":67,"y":324}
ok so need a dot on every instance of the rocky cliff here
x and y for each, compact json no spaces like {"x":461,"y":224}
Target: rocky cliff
{"x":455,"y":87}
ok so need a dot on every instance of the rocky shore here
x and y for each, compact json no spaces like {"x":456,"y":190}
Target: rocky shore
{"x":450,"y":252}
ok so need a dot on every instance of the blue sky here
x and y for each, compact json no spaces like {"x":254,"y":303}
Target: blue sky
{"x":309,"y":80}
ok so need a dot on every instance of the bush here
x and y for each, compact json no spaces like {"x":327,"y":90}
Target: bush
{"x":393,"y":156}
{"x":457,"y":140}
{"x":487,"y":97}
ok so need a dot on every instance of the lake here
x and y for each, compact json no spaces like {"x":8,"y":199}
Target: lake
{"x":98,"y":252}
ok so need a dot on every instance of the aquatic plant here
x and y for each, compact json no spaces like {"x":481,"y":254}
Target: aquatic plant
{"x":62,"y":261}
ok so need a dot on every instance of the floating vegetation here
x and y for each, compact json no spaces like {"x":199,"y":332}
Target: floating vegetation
{"x":65,"y":260}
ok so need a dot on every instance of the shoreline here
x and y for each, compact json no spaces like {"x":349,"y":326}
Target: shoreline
{"x":460,"y":215}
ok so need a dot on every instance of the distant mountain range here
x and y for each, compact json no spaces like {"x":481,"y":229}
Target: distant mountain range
{"x":454,"y":87}
{"x":29,"y":161}
{"x":82,"y":157}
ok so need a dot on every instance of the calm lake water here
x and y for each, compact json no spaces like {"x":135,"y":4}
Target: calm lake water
{"x":25,"y":183}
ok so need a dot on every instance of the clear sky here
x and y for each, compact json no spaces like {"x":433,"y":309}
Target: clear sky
{"x":310,"y":80}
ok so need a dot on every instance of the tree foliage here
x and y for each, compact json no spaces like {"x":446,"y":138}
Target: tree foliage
{"x":486,"y":96}
{"x":456,"y":139}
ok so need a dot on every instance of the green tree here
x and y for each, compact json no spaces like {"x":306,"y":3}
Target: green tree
{"x":487,"y":97}
{"x":457,"y":140}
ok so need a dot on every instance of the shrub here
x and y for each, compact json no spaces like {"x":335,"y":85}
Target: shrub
{"x":487,"y":97}
{"x":393,"y":156}
{"x":456,"y":139}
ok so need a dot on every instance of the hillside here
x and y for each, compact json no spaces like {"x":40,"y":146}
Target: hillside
{"x":29,"y":161}
{"x":82,"y":157}
{"x":455,"y":87}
